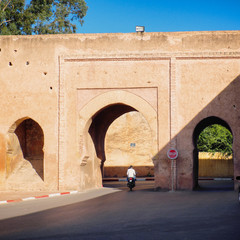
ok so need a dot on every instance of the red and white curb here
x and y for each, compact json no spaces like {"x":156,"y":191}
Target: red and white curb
{"x":38,"y":197}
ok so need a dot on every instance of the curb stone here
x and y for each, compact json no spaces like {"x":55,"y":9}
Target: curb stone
{"x":38,"y":197}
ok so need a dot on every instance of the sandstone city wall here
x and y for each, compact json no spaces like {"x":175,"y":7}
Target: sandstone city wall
{"x":60,"y":94}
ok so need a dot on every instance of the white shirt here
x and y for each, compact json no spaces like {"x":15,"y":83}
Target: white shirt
{"x":131,"y":172}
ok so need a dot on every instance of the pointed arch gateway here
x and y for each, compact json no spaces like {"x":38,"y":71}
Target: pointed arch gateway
{"x":204,"y":123}
{"x":95,"y":118}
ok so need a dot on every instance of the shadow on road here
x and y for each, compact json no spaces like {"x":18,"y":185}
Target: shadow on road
{"x":215,"y":185}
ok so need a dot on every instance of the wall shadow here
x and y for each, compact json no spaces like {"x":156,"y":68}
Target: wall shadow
{"x":224,"y":109}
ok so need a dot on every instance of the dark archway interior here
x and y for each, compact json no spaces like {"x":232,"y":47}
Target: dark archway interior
{"x":100,"y":124}
{"x":31,"y":140}
{"x":198,"y":129}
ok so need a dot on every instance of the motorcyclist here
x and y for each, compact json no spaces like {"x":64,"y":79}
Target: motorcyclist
{"x":131,"y":173}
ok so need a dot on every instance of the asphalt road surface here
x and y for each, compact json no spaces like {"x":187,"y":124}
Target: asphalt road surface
{"x":211,"y":213}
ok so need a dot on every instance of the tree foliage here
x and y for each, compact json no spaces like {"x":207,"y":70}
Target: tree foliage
{"x":40,"y":16}
{"x":215,"y":138}
{"x":11,"y":16}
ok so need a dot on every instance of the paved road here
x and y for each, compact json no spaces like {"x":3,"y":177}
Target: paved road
{"x":27,"y":207}
{"x":212,"y":213}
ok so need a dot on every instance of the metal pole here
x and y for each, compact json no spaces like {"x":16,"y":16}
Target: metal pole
{"x":172,"y":171}
{"x":174,"y":174}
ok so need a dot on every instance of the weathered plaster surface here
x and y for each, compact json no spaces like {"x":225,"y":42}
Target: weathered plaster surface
{"x":63,"y":82}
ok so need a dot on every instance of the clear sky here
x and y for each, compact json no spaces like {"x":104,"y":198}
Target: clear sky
{"x":111,"y":16}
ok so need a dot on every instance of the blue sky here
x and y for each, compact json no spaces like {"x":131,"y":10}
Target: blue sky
{"x":106,"y":16}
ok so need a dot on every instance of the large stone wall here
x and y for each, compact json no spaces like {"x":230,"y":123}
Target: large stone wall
{"x":75,"y":86}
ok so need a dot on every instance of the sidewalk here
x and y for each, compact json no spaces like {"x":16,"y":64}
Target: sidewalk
{"x":45,"y":200}
{"x":17,"y":196}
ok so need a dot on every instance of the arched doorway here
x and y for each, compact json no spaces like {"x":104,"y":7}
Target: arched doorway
{"x":212,"y":165}
{"x":128,"y":141}
{"x":93,"y":123}
{"x":25,"y":150}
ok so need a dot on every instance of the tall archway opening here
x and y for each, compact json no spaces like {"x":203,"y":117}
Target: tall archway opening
{"x":213,"y":158}
{"x":115,"y":131}
{"x":94,"y":121}
{"x":100,"y":124}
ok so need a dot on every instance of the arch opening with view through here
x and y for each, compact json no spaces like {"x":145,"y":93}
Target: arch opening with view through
{"x":122,"y":137}
{"x":213,"y":158}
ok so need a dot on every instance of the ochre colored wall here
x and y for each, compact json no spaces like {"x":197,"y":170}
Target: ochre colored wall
{"x":63,"y":82}
{"x":128,"y":142}
{"x":215,"y":165}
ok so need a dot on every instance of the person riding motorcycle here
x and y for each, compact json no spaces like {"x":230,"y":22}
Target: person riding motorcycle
{"x":131,"y":173}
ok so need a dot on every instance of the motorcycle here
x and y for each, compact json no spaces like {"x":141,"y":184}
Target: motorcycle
{"x":131,"y":183}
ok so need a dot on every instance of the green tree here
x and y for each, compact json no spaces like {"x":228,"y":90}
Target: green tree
{"x":215,"y":138}
{"x":41,"y":16}
{"x":11,"y":15}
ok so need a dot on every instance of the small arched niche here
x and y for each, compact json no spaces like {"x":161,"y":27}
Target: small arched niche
{"x":25,"y":142}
